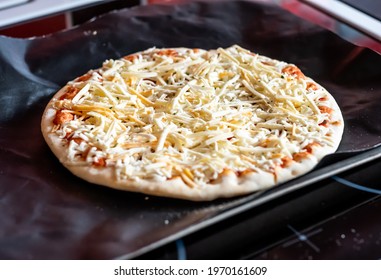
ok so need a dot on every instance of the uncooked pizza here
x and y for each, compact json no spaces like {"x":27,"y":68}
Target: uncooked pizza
{"x":191,"y":123}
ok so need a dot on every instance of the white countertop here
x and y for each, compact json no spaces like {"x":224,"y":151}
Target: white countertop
{"x":18,"y":11}
{"x":350,"y":15}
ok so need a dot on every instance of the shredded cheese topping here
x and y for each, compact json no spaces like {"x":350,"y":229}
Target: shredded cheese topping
{"x":191,"y":114}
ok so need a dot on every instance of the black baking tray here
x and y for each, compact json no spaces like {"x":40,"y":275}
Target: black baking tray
{"x":47,"y":213}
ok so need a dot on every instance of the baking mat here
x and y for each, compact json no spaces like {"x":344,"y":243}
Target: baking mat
{"x":47,"y":213}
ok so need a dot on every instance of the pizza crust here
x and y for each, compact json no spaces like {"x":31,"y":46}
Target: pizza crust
{"x":228,"y":184}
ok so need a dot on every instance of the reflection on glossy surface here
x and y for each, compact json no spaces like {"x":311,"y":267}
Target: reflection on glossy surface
{"x":327,"y":22}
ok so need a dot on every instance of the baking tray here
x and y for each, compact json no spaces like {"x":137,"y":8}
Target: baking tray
{"x":47,"y":213}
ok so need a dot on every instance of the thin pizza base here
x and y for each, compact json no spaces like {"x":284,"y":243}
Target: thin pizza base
{"x":228,"y":183}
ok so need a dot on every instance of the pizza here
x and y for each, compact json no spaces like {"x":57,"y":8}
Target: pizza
{"x":191,"y":123}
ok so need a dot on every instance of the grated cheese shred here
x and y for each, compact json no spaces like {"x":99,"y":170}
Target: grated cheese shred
{"x":192,"y":114}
